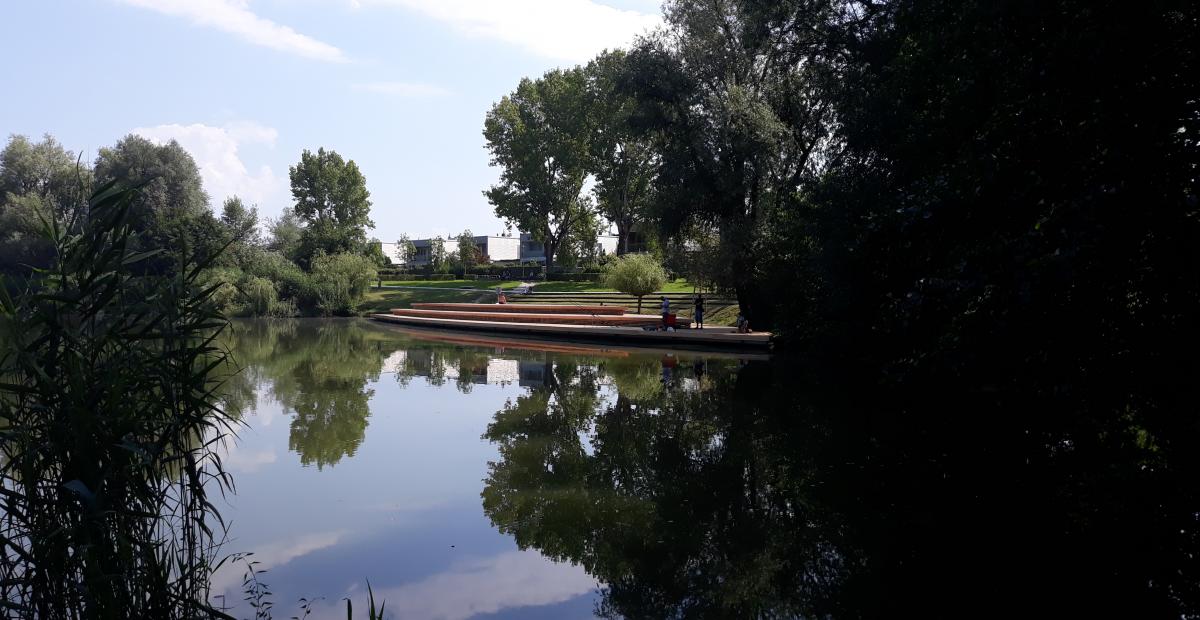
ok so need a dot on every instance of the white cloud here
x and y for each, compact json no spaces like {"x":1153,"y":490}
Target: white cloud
{"x":215,"y":150}
{"x":235,"y":17}
{"x":572,"y":30}
{"x":486,"y":585}
{"x":242,"y":461}
{"x":228,"y":579}
{"x":403,"y":89}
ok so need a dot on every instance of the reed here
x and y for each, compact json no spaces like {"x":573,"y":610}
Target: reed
{"x":110,"y":425}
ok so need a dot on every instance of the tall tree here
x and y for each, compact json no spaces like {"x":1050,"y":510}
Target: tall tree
{"x":37,"y":180}
{"x":240,"y":221}
{"x":538,"y":135}
{"x":171,"y":209}
{"x":44,"y":170}
{"x":726,"y":89}
{"x":333,"y":202}
{"x":1019,"y":187}
{"x":468,"y":254}
{"x":580,"y":246}
{"x":622,"y":156}
{"x":437,"y":253}
{"x":406,"y":249}
{"x":286,"y":231}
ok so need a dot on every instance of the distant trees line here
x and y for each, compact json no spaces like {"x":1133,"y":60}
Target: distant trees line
{"x":315,"y":258}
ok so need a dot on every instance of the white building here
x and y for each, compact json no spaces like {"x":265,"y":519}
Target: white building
{"x":497,"y":248}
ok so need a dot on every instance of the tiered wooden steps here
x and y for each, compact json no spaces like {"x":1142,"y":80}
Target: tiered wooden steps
{"x":523,"y":308}
{"x":535,"y":342}
{"x":681,"y":303}
{"x":517,"y":316}
{"x":607,"y":323}
{"x":687,"y":338}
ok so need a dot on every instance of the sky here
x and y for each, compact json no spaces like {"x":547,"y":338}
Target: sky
{"x":399,"y":86}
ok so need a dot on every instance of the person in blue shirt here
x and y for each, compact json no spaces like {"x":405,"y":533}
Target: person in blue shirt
{"x":666,"y":309}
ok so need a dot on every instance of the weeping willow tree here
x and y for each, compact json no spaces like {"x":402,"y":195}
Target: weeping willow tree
{"x":109,"y":428}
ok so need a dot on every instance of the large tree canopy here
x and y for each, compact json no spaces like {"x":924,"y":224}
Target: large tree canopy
{"x":171,"y":210}
{"x":622,"y":157}
{"x":333,"y":202}
{"x":38,"y":180}
{"x":1018,"y":185}
{"x":45,"y":170}
{"x":538,"y":135}
{"x":727,"y":92}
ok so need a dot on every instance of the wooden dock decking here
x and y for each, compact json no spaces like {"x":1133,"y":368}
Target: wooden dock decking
{"x":558,"y":345}
{"x":698,"y":338}
{"x":625,"y":320}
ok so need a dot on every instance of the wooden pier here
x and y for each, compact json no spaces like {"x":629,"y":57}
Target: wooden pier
{"x":531,"y":316}
{"x":718,"y":337}
{"x":571,"y":347}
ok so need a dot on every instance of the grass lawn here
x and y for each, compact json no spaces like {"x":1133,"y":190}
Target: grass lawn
{"x":476,"y":284}
{"x":725,"y":316}
{"x":381,"y":300}
{"x":678,"y":286}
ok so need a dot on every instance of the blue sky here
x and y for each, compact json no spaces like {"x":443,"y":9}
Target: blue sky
{"x":399,"y":86}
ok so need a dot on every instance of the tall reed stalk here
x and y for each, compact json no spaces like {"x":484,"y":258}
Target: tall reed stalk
{"x":109,"y":428}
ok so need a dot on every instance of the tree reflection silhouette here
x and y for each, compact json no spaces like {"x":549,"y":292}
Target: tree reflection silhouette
{"x":761,"y":491}
{"x":320,"y":371}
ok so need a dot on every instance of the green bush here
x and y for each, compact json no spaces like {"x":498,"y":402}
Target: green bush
{"x":291,"y":283}
{"x":225,"y":297}
{"x":340,"y":281}
{"x":259,"y":296}
{"x":635,"y":274}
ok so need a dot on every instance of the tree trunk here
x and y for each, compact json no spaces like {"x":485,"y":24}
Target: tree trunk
{"x":639,"y":310}
{"x":622,"y":238}
{"x":549,"y":248}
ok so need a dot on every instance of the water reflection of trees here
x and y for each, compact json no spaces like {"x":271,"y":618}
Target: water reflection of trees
{"x":757,"y":491}
{"x":319,"y":371}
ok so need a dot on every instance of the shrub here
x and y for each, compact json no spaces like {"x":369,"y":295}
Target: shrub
{"x":225,"y":297}
{"x":635,"y":274}
{"x":291,"y":283}
{"x":259,"y":296}
{"x":340,"y":281}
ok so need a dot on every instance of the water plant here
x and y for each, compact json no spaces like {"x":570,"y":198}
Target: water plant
{"x":109,"y":427}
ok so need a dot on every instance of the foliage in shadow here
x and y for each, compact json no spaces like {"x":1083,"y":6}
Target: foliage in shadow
{"x":782,"y":490}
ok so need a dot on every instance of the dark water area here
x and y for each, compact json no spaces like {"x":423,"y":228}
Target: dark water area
{"x":475,"y":477}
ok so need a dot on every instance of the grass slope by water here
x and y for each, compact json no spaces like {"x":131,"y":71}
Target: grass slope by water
{"x":381,"y":300}
{"x":459,"y":284}
{"x":677,"y":286}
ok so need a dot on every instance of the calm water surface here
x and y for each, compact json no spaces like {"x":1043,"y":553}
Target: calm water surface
{"x":366,"y":449}
{"x":468,"y":477}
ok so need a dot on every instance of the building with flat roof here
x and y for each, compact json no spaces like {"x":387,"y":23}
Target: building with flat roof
{"x":519,"y":248}
{"x":497,"y":248}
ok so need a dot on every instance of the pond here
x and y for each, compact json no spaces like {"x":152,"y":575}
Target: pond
{"x":468,"y":476}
